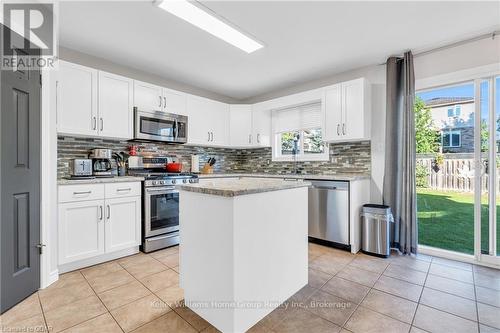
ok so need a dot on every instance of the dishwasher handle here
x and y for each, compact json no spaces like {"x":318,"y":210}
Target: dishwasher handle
{"x":329,"y":185}
{"x":331,"y":188}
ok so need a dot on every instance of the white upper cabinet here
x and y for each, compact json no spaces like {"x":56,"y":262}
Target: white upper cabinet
{"x":147,"y":97}
{"x":208,"y":122}
{"x":115,"y":106}
{"x":76,"y":99}
{"x":174,"y":101}
{"x":346,"y":108}
{"x":261,"y":125}
{"x":240,"y":125}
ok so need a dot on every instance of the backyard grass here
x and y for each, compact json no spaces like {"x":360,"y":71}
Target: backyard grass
{"x":446,"y":220}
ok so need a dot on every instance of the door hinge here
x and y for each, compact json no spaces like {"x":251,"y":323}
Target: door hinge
{"x":40,"y":247}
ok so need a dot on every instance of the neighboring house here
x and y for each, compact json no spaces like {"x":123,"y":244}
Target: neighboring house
{"x":454,"y":117}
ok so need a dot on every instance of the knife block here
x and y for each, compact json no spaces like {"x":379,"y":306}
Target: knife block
{"x":207,"y":169}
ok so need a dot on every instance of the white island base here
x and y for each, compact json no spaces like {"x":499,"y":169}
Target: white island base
{"x":242,"y":256}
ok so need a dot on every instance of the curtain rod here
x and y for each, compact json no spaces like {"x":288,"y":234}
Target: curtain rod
{"x":491,"y":35}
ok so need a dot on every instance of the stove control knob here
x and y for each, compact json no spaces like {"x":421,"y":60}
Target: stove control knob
{"x":184,"y":180}
{"x":154,"y":182}
{"x":174,"y":181}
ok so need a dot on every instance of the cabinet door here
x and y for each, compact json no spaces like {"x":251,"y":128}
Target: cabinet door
{"x":219,"y":123}
{"x":198,"y":121}
{"x":147,"y":97}
{"x":261,"y":123}
{"x":240,"y":126}
{"x":123,"y":223}
{"x":76,"y":99}
{"x":174,"y":101}
{"x":332,"y":109}
{"x":81,"y":230}
{"x":353,"y":110}
{"x":115,"y":106}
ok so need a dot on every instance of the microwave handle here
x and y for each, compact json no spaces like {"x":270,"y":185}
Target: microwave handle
{"x":176,"y":134}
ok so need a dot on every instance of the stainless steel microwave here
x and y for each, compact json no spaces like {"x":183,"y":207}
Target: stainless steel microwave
{"x":160,"y":126}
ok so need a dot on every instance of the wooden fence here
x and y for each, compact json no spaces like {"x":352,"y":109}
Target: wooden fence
{"x":455,"y":174}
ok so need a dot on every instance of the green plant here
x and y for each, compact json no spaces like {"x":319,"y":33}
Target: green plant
{"x":439,"y":158}
{"x":421,"y":174}
{"x":427,"y":136}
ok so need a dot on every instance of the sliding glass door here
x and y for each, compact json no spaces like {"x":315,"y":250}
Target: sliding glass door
{"x":458,"y":168}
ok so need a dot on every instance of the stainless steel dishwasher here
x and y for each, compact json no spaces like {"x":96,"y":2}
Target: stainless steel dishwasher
{"x":329,"y":211}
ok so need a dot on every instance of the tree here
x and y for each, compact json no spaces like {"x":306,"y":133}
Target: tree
{"x":426,"y":134}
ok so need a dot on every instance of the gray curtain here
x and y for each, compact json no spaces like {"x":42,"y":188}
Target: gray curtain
{"x":399,"y":178}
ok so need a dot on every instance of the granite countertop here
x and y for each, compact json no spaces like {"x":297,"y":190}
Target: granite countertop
{"x":116,"y":179}
{"x":345,"y":177}
{"x":235,"y":187}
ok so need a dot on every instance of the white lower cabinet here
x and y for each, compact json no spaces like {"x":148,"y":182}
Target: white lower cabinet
{"x":81,"y":230}
{"x":93,"y":229}
{"x":121,"y":230}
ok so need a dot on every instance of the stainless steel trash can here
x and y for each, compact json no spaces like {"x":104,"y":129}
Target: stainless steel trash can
{"x":375,"y":228}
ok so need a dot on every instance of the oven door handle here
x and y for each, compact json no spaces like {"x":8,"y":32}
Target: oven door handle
{"x":165,"y":191}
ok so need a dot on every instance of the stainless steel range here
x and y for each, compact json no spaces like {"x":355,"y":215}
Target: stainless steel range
{"x":160,"y":203}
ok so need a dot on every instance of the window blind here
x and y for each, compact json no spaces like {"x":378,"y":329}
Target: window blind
{"x":297,"y":117}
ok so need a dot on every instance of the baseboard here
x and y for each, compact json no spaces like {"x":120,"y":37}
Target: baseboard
{"x":97,"y":260}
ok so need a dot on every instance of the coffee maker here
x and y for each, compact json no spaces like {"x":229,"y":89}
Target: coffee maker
{"x":101,"y":162}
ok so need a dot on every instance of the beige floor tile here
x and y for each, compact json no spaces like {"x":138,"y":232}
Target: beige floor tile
{"x":300,"y":320}
{"x":161,"y":280}
{"x":410,"y":262}
{"x":146,"y":268}
{"x":451,"y":273}
{"x":406,"y":274}
{"x":111,"y":280}
{"x":367,"y":321}
{"x":488,"y":271}
{"x":276,"y":316}
{"x":390,"y":305}
{"x":211,"y":329}
{"x":328,"y":264}
{"x":330,"y":307}
{"x":172,"y":296}
{"x":176,"y":268}
{"x":165,"y":252}
{"x":102,"y":324}
{"x":124,"y":294}
{"x":301,"y":296}
{"x":170,"y":260}
{"x":67,"y":279}
{"x":416,"y":330}
{"x":456,"y":305}
{"x":257,"y":328}
{"x":139,"y":312}
{"x":487,"y":329}
{"x":318,"y":278}
{"x":489,"y":315}
{"x":487,"y":281}
{"x":488,"y":296}
{"x":101,"y":269}
{"x":74,"y":313}
{"x":192,"y":318}
{"x":368,"y":263}
{"x":28,"y":308}
{"x":168,"y":323}
{"x":358,"y":275}
{"x":348,"y":290}
{"x":135,"y":259}
{"x":452,"y":263}
{"x":52,"y":298}
{"x":35,"y":323}
{"x":399,"y":288}
{"x":436,"y":321}
{"x":454,"y":287}
{"x":316,"y":250}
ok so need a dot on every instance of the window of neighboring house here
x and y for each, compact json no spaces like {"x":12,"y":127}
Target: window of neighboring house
{"x":451,"y":139}
{"x":450,"y":112}
{"x":297,"y":134}
{"x":458,"y":110}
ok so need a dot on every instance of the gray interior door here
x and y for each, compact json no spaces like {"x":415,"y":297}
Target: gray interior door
{"x":20,"y":185}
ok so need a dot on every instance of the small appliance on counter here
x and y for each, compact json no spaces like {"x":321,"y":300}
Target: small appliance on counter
{"x":81,"y":168}
{"x":101,"y":162}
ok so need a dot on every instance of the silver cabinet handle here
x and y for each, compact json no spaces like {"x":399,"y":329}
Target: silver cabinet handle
{"x":338,"y":129}
{"x":160,"y":101}
{"x":94,"y":121}
{"x":249,"y":138}
{"x":208,"y":136}
{"x":123,"y":189}
{"x":212,"y":136}
{"x":343,"y":128}
{"x":83,"y":192}
{"x":258,"y":138}
{"x":100,"y":213}
{"x":102,"y":124}
{"x":164,"y":102}
{"x":109,"y":212}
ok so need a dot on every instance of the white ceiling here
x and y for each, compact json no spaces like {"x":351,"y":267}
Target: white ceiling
{"x":304,"y":40}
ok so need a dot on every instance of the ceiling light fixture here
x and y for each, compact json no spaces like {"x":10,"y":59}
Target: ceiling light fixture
{"x":204,"y":20}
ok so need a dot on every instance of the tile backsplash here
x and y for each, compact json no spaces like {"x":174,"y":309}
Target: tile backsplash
{"x":353,"y":157}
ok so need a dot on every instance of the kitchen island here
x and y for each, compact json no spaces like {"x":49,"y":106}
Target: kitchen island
{"x":243,"y":248}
